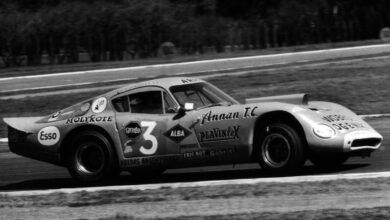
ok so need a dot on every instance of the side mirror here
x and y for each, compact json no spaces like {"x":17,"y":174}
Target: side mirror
{"x":182,"y":111}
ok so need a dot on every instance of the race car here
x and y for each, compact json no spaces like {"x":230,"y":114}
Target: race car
{"x":160,"y":124}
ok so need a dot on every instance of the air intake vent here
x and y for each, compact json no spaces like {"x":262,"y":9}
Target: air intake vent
{"x":366,"y":142}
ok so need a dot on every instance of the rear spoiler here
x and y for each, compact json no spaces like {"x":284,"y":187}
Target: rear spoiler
{"x":26,"y":124}
{"x":297,"y":99}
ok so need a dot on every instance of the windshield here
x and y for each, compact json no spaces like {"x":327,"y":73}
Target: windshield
{"x":201,"y":94}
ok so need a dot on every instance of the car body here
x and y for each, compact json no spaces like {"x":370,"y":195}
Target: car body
{"x":151,"y":126}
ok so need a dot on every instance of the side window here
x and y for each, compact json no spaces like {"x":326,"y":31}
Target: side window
{"x":146,"y":102}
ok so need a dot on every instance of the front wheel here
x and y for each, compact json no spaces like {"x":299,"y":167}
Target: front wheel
{"x":281,"y":149}
{"x":91,"y":158}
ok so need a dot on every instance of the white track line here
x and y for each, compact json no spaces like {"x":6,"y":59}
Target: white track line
{"x":5,"y":140}
{"x":67,"y":85}
{"x":212,"y":75}
{"x":295,"y":179}
{"x":199,"y":62}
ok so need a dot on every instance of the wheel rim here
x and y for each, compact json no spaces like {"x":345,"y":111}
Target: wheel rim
{"x":90,"y":158}
{"x":276,"y":150}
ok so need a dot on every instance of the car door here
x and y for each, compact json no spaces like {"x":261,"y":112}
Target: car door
{"x":218,"y":140}
{"x":148,"y":128}
{"x":227,"y":130}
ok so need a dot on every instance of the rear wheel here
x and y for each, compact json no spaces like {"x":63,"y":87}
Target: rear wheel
{"x":91,"y":158}
{"x":281,"y":149}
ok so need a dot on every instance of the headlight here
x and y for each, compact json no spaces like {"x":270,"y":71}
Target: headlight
{"x":324,"y":131}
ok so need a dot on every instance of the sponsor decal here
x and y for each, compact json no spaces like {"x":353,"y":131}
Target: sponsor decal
{"x":250,"y":112}
{"x":164,"y":160}
{"x":99,"y":105}
{"x":128,"y":148}
{"x":218,"y":134}
{"x":334,"y":118}
{"x":210,"y":117}
{"x":347,"y":125}
{"x":49,"y":136}
{"x":339,"y":122}
{"x":177,"y":133}
{"x":133,"y":130}
{"x":131,"y":162}
{"x":89,"y":119}
{"x":203,"y":154}
{"x":148,"y":161}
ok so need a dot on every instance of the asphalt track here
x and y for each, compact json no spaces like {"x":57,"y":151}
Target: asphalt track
{"x":85,"y":77}
{"x":19,"y":174}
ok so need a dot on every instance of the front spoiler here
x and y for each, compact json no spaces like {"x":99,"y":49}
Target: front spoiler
{"x":369,"y":139}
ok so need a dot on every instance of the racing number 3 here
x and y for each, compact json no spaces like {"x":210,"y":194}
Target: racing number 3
{"x":150,"y":125}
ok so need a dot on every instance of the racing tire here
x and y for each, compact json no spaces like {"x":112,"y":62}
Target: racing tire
{"x":91,"y":158}
{"x":328,"y":161}
{"x":281,"y":149}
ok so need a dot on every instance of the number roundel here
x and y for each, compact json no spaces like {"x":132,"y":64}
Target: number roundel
{"x":99,"y":105}
{"x":150,"y":125}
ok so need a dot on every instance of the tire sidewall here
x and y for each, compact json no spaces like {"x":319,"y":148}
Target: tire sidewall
{"x":110,"y":162}
{"x":296,"y":151}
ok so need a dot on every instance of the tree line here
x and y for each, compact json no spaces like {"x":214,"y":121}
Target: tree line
{"x":61,"y":30}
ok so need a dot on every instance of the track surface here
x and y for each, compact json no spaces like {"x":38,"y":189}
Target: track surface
{"x":61,"y":79}
{"x":17,"y":173}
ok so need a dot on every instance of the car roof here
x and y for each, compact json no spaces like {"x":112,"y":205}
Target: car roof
{"x":165,"y":83}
